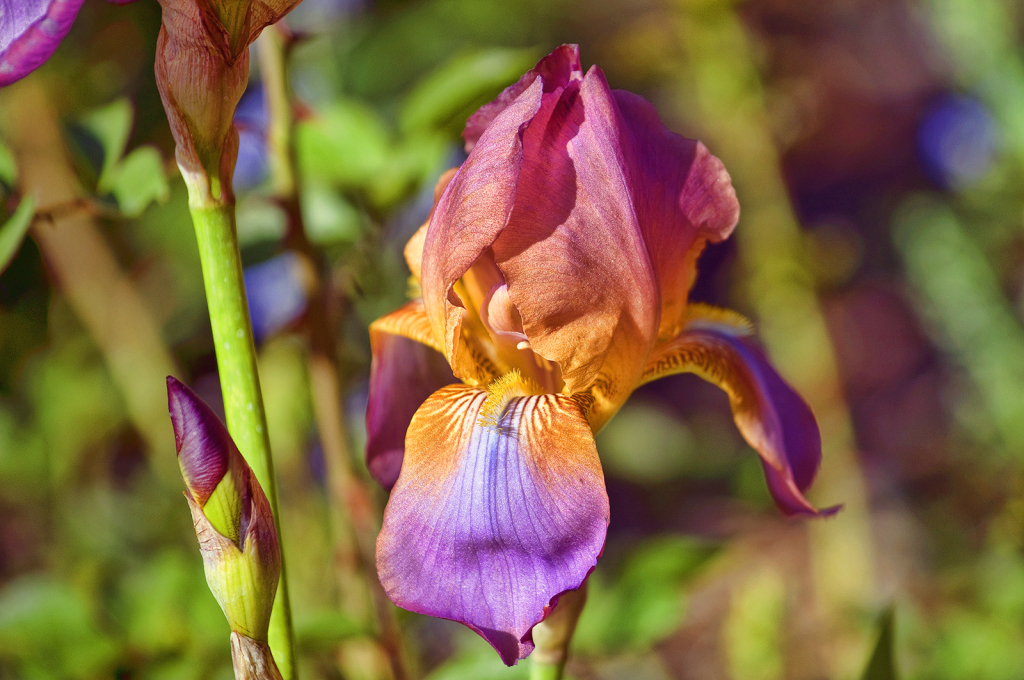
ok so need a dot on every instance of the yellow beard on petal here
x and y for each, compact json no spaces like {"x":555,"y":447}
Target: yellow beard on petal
{"x":500,"y":393}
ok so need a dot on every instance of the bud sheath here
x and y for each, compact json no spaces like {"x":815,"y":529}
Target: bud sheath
{"x":232,"y":515}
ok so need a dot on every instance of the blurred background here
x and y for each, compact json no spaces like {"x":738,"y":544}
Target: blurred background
{"x":877,"y":149}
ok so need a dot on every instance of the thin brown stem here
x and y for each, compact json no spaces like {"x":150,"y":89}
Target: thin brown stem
{"x":349,"y":492}
{"x":86,"y":271}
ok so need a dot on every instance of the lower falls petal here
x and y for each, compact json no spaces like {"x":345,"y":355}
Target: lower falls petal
{"x":403,"y":374}
{"x":487,"y":525}
{"x":770,"y":415}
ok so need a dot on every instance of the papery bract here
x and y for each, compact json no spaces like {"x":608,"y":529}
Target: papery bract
{"x":555,"y":271}
{"x":202,"y":66}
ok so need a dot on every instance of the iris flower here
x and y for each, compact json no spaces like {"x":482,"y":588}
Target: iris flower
{"x":554,"y":273}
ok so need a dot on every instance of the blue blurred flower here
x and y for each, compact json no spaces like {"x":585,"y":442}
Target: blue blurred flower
{"x":957,"y":141}
{"x":251,"y":120}
{"x":277,"y":293}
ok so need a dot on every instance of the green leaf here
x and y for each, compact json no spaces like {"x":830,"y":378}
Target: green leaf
{"x":8,"y":167}
{"x":110,"y":125}
{"x":138,"y":180}
{"x":467,"y":81}
{"x":347,"y":145}
{"x":646,"y":602}
{"x":321,"y":631}
{"x":13,"y":231}
{"x":328,"y":217}
{"x":409,"y":165}
{"x":882,"y":664}
{"x":47,"y":628}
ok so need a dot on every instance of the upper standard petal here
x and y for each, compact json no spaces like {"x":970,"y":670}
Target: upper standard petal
{"x":414,"y":246}
{"x":471,"y":213}
{"x":554,"y":70}
{"x":487,"y":524}
{"x":593,"y":215}
{"x":573,"y":253}
{"x":682,"y":197}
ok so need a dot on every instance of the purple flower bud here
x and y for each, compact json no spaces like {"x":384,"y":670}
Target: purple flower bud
{"x":233,"y":520}
{"x":204,"y":446}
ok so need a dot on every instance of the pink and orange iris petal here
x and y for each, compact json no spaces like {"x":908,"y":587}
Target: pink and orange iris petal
{"x":403,"y":374}
{"x":681,"y":194}
{"x":770,"y":415}
{"x":470,"y":215}
{"x":590,"y":212}
{"x":414,"y":246}
{"x":487,"y":524}
{"x":554,"y":70}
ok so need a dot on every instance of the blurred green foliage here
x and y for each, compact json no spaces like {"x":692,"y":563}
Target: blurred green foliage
{"x":882,"y":664}
{"x":920,"y":273}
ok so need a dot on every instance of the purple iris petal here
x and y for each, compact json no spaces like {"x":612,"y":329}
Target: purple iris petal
{"x":203,"y":443}
{"x":772,"y":417}
{"x":957,"y":141}
{"x":487,"y":525}
{"x":251,"y":120}
{"x":30,"y":31}
{"x":403,"y":374}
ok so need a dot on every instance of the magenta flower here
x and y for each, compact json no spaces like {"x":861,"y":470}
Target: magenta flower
{"x":31,"y":30}
{"x":555,"y":271}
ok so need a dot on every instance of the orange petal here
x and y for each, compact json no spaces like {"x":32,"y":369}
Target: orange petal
{"x":409,"y":321}
{"x":488,"y":524}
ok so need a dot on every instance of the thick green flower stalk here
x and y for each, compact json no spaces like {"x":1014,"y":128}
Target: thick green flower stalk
{"x":202,"y":66}
{"x":553,"y":635}
{"x":235,"y":528}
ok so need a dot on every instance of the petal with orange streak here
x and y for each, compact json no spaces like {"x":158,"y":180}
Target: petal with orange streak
{"x":488,"y":524}
{"x":770,"y":415}
{"x":406,"y":369}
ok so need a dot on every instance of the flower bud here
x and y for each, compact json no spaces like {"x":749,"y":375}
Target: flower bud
{"x":232,"y":516}
{"x":202,"y":66}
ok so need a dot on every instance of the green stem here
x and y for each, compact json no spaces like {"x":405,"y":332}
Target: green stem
{"x":553,"y":635}
{"x":546,"y":671}
{"x":240,"y":383}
